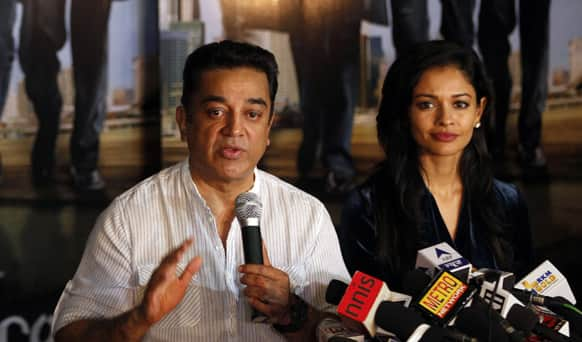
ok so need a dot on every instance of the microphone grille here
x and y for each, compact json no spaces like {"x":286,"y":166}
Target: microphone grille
{"x":248,"y":205}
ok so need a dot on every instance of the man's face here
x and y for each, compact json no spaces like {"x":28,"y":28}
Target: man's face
{"x":227,"y":127}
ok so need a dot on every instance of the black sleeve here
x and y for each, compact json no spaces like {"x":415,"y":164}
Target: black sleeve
{"x":357,"y":233}
{"x":522,"y":236}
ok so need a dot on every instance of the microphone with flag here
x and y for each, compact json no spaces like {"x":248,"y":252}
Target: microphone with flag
{"x":443,"y":257}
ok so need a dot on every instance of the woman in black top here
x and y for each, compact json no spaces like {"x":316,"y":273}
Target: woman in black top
{"x":436,"y":182}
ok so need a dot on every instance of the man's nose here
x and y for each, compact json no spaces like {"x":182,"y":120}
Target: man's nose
{"x":233,"y":125}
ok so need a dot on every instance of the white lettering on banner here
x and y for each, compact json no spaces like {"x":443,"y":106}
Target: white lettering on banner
{"x":33,"y":333}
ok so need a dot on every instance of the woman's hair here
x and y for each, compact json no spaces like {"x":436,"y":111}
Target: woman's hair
{"x":397,"y":184}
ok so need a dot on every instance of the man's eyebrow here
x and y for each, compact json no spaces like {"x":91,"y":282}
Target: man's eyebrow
{"x":213,"y":98}
{"x":257,"y":100}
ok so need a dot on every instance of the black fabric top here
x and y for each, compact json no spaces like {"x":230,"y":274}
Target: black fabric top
{"x":358,"y":234}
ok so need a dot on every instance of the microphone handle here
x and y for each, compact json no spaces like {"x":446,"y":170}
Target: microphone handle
{"x":253,"y":245}
{"x":253,"y":249}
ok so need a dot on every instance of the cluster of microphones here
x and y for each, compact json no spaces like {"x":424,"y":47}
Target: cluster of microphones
{"x":447,"y":300}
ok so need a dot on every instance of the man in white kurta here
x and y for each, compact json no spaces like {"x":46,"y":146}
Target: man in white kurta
{"x":138,"y":279}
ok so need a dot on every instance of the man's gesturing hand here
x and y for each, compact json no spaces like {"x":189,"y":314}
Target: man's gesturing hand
{"x":166,"y":289}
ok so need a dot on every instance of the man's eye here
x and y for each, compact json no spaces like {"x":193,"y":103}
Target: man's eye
{"x":215,"y":112}
{"x":254,"y":114}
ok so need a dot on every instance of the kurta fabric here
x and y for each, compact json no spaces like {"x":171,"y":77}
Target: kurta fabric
{"x":358,"y":233}
{"x":147,"y":222}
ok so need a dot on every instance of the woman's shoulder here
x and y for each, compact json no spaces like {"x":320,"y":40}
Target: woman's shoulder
{"x":507,"y":193}
{"x":358,"y":208}
{"x":360,"y":198}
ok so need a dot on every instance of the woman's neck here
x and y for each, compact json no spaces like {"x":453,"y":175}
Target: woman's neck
{"x":441,"y":175}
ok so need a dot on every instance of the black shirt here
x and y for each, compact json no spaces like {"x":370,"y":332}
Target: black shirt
{"x":358,"y":234}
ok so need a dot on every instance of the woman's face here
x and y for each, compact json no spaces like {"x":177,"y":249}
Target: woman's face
{"x":444,"y":111}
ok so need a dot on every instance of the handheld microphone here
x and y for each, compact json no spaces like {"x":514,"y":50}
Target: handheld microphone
{"x":527,"y":320}
{"x":495,"y":319}
{"x":414,"y":282}
{"x":360,"y":299}
{"x":558,"y":305}
{"x":443,"y":298}
{"x":547,"y":280}
{"x":476,"y":322}
{"x":376,"y":310}
{"x":541,"y":300}
{"x":443,"y":257}
{"x":409,"y":325}
{"x":498,"y":293}
{"x":248,"y":210}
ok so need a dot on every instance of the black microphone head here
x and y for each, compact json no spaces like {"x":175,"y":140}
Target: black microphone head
{"x":434,"y":334}
{"x":474,"y":321}
{"x":335,"y":291}
{"x":414,"y":282}
{"x":397,"y":319}
{"x":248,"y":205}
{"x":522,"y":295}
{"x":522,"y":318}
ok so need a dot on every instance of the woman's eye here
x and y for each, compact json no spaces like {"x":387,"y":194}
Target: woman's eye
{"x":461,"y":104}
{"x":424,"y":105}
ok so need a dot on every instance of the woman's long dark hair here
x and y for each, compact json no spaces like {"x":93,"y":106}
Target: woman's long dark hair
{"x":397,"y":184}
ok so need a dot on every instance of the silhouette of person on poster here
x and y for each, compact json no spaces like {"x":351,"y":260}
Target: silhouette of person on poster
{"x":326,"y":48}
{"x":497,"y":19}
{"x":43,"y":34}
{"x":7,"y":17}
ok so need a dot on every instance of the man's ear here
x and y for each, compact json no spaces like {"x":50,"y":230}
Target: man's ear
{"x":272,"y":119}
{"x":181,"y":121}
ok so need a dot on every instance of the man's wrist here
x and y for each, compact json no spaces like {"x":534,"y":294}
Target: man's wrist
{"x":135,"y":325}
{"x":296,"y":317}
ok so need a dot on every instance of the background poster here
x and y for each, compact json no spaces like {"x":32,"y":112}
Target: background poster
{"x":43,"y":231}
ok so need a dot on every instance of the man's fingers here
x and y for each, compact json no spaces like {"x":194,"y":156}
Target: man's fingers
{"x":174,"y":257}
{"x":265,"y":308}
{"x":254,"y":280}
{"x":266,"y":259}
{"x":263,"y":270}
{"x":257,"y":292}
{"x":192,"y":268}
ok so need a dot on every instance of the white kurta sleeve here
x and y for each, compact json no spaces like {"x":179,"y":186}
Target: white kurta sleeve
{"x":103,"y":285}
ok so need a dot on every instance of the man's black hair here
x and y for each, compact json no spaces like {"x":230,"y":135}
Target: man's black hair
{"x":227,"y":54}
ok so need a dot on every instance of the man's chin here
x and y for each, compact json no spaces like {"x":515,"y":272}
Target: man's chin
{"x":236,"y":175}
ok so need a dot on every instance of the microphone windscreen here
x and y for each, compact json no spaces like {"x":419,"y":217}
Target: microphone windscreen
{"x":248,"y":205}
{"x":397,"y":319}
{"x":522,"y":318}
{"x":414,"y":282}
{"x":475,"y":322}
{"x":335,"y":291}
